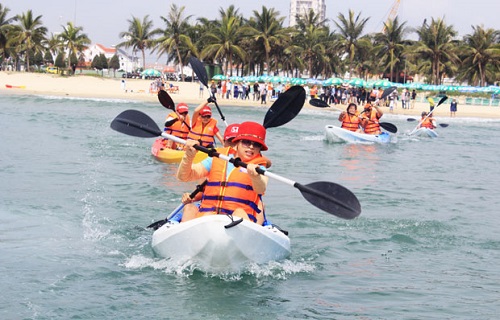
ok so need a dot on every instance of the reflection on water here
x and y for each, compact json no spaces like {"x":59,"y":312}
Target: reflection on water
{"x":358,"y":162}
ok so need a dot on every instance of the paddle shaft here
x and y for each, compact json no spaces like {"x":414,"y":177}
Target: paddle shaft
{"x":200,"y":71}
{"x":239,"y":163}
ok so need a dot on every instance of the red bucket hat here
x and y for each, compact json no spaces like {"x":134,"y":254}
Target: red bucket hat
{"x":206,"y":111}
{"x":252,"y":131}
{"x":182,"y":107}
{"x":231,"y":131}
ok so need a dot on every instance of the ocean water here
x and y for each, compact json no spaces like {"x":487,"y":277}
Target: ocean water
{"x":75,"y":197}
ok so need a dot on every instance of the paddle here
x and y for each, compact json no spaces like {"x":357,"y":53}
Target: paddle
{"x":443,"y":125}
{"x":201,"y":73}
{"x":166,"y":101}
{"x":443,"y":99}
{"x":155,"y":225}
{"x":386,"y":125}
{"x":327,"y":196}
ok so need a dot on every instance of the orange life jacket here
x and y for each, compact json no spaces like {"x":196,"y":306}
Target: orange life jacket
{"x":180,"y":128}
{"x":203,"y":134}
{"x":427,"y":123}
{"x":223,"y":194}
{"x":372,"y":126}
{"x":351,"y":123}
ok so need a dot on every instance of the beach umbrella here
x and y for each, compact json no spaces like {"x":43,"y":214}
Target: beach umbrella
{"x":151,"y":73}
{"x":263,"y":78}
{"x":357,"y":82}
{"x":414,"y":85}
{"x":298,"y":81}
{"x":250,"y":78}
{"x":219,"y":77}
{"x":275,"y":79}
{"x":333,"y":82}
{"x":383,"y":83}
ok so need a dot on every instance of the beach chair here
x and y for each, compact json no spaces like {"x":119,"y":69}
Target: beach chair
{"x":468,"y":101}
{"x":477,"y":101}
{"x":495,"y":102}
{"x":486,"y":102}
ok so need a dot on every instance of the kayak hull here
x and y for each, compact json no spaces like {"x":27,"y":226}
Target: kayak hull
{"x":163,"y":154}
{"x":335,"y":134}
{"x":425,"y":132}
{"x":206,"y":242}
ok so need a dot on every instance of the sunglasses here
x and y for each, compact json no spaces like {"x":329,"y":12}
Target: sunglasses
{"x":206,"y":117}
{"x":248,"y":144}
{"x":183,"y":113}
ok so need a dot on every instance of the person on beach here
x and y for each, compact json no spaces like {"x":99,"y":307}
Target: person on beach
{"x":204,"y":128}
{"x":369,"y":119}
{"x":413,"y":98}
{"x":431,"y":103}
{"x":350,"y":118}
{"x":177,"y":124}
{"x":230,"y":189}
{"x":427,"y":121}
{"x":453,"y":108}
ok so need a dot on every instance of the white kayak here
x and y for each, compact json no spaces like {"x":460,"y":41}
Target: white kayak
{"x":206,"y":242}
{"x":425,"y":132}
{"x":336,"y":134}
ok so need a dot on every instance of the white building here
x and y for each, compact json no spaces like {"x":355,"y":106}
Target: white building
{"x":127,"y":63}
{"x":302,"y":7}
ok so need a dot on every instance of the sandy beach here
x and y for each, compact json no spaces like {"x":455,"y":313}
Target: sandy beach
{"x":85,"y":86}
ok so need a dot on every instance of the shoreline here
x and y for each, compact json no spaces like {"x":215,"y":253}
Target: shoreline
{"x":85,"y":86}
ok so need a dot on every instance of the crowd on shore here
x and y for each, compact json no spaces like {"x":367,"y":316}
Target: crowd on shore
{"x":190,"y":92}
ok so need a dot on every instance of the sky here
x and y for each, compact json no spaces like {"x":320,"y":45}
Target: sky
{"x":103,"y":20}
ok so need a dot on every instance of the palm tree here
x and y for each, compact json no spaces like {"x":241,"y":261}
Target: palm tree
{"x":73,"y":40}
{"x":481,"y":56}
{"x":5,"y":26}
{"x":351,"y":30}
{"x":266,"y":29}
{"x":390,"y":45}
{"x":175,"y":35}
{"x":223,"y":42}
{"x":139,"y":36}
{"x":311,"y":36}
{"x":436,"y":46}
{"x":29,"y":34}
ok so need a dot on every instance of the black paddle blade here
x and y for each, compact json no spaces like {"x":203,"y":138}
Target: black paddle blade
{"x":166,"y":100}
{"x":318,"y":103}
{"x":389,"y":127}
{"x":332,"y":198}
{"x":135,"y":123}
{"x":387,"y":92}
{"x":443,"y":99}
{"x":443,"y":125}
{"x":199,"y":69}
{"x":411,"y":119}
{"x":286,"y":107}
{"x":157,"y":224}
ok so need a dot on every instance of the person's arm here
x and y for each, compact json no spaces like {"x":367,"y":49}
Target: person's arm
{"x":188,"y":171}
{"x":196,"y":112}
{"x":342,"y":116}
{"x":219,"y":136}
{"x":379,"y":112}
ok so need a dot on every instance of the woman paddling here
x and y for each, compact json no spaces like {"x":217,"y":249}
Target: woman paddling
{"x":230,"y":190}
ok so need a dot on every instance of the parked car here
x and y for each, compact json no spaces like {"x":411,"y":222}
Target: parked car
{"x":54,"y":70}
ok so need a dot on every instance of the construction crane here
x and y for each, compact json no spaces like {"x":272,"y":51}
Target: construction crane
{"x":393,"y":13}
